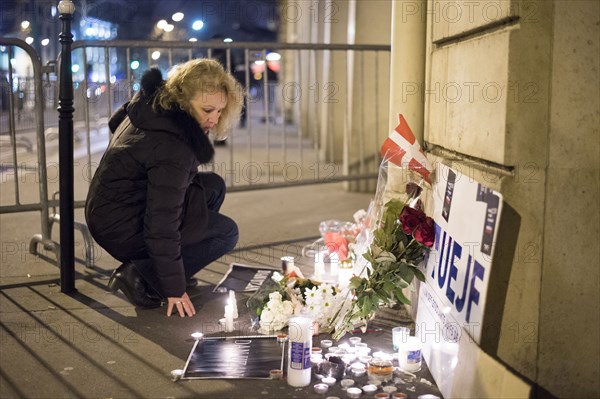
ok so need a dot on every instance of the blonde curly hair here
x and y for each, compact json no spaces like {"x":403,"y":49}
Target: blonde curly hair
{"x":203,"y":76}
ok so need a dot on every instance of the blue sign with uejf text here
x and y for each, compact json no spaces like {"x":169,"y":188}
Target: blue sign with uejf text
{"x":452,"y":300}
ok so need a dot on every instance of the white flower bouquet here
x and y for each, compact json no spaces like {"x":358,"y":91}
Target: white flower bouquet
{"x":275,"y":303}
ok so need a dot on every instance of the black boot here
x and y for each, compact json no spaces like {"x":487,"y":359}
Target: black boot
{"x":127,"y":279}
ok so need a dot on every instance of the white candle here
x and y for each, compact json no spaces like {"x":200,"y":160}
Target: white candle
{"x":228,"y":318}
{"x":345,"y":273}
{"x":409,"y":354}
{"x":300,"y":344}
{"x":233,"y":303}
{"x":333,"y":264}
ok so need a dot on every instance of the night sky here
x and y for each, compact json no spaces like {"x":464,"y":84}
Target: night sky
{"x":241,"y":20}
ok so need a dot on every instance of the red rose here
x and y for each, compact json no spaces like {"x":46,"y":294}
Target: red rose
{"x":425,"y":233}
{"x":410,"y":219}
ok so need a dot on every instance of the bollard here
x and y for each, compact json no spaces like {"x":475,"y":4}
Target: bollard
{"x":66,"y":9}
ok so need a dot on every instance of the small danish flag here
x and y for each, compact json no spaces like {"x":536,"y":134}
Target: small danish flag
{"x":402,"y":149}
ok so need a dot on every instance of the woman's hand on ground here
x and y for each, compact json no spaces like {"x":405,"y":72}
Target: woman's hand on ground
{"x":184,"y":305}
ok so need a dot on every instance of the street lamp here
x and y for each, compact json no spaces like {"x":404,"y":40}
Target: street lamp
{"x":66,"y":8}
{"x":197,"y":25}
{"x":161,"y":24}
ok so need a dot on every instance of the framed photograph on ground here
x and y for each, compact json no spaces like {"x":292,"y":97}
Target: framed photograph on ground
{"x":251,"y":357}
{"x":244,"y":278}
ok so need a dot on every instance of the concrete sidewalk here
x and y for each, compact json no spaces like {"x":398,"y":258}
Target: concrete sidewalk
{"x":94,"y":344}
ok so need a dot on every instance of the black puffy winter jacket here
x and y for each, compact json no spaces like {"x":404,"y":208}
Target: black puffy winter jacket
{"x":136,"y":200}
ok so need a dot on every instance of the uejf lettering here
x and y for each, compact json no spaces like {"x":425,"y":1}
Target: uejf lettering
{"x":446,"y":270}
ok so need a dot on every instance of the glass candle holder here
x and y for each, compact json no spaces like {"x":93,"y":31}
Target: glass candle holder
{"x":380,"y":370}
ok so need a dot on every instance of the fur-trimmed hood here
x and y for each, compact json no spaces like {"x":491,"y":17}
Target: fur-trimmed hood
{"x":145,"y":116}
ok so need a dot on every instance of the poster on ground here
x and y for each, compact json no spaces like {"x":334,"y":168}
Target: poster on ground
{"x":244,"y":278}
{"x":251,"y":357}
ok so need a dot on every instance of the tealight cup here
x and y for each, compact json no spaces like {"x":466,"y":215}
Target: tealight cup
{"x":282,"y":338}
{"x":363,"y":351}
{"x":349,"y":357}
{"x":354,"y":340}
{"x":382,"y":395}
{"x":316,"y":358}
{"x":389,"y":389}
{"x":176,"y":374}
{"x":346,"y":383}
{"x":326,"y":343}
{"x":321,"y":388}
{"x":364,"y":359}
{"x":328,"y":380}
{"x":276,"y":374}
{"x":354,"y":393}
{"x":369,"y":388}
{"x":358,"y":369}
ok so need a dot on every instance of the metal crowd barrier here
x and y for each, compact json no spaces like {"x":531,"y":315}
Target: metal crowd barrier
{"x":297,"y":128}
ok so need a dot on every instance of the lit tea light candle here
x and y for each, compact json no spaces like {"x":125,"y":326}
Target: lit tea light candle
{"x":321,"y":388}
{"x":176,"y":374}
{"x":364,"y":359}
{"x":281,"y":338}
{"x":354,"y":392}
{"x":328,"y":380}
{"x":370,"y":388}
{"x":389,"y":389}
{"x":326,"y":343}
{"x":346,"y":383}
{"x":349,"y":358}
{"x":276,"y":374}
{"x":354,"y":340}
{"x":363,"y":351}
{"x":358,"y":367}
{"x":197,"y":336}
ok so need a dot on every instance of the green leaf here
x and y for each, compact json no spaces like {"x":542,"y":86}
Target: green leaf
{"x":420,"y":276}
{"x":401,"y":298}
{"x":356,"y":282}
{"x":406,"y":272}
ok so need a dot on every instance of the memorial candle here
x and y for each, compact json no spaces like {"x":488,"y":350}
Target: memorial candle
{"x":228,"y":318}
{"x":233,"y":302}
{"x":299,"y":367}
{"x":345,"y":272}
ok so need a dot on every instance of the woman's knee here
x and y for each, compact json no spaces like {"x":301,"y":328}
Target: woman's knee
{"x":232,"y":233}
{"x":211,"y":180}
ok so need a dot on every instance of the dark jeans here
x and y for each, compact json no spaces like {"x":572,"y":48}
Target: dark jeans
{"x":199,"y":248}
{"x":221,"y":233}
